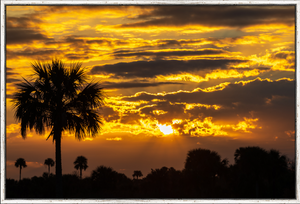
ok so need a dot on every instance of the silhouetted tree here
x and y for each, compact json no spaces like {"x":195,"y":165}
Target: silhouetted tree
{"x":49,"y":162}
{"x":20,"y":163}
{"x":137,"y":174}
{"x":81,"y":163}
{"x":106,"y":182}
{"x":163,"y":182}
{"x":202,"y":168}
{"x":103,"y":176}
{"x":260,"y":173}
{"x":57,"y":99}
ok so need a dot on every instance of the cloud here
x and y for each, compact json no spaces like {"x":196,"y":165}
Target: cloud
{"x":125,"y":85}
{"x":128,"y":53}
{"x":33,"y":53}
{"x":261,"y":107}
{"x":109,"y":114}
{"x":24,"y":30}
{"x":162,"y":67}
{"x":12,"y":80}
{"x":170,"y":111}
{"x":24,"y":36}
{"x":27,"y":21}
{"x":221,"y":16}
{"x":9,"y":71}
{"x":250,"y":94}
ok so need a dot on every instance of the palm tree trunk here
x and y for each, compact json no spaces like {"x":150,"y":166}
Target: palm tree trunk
{"x":80,"y":173}
{"x":49,"y":169}
{"x":58,"y":167}
{"x":20,"y":173}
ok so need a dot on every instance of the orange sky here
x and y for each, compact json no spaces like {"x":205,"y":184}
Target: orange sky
{"x":175,"y":78}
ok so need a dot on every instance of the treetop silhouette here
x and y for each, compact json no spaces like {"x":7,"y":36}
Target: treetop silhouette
{"x":59,"y":98}
{"x":20,"y":163}
{"x":49,"y":162}
{"x":137,"y":174}
{"x":80,"y":163}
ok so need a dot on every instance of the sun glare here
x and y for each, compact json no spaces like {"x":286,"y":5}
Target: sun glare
{"x":166,"y":129}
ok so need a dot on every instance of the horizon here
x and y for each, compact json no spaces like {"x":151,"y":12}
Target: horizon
{"x":176,"y":78}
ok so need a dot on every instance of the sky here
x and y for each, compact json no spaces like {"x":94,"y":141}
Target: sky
{"x":175,"y":78}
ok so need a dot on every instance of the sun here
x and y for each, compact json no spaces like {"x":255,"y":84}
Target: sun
{"x":166,"y":129}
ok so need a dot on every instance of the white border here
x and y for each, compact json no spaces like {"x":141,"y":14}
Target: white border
{"x":138,"y":2}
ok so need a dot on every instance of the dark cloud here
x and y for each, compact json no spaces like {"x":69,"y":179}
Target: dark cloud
{"x":132,"y":119}
{"x":283,"y":55}
{"x":12,"y":80}
{"x":172,"y":111}
{"x":76,"y":56}
{"x":10,"y":74}
{"x":27,"y":21}
{"x":80,"y":40}
{"x":78,"y":8}
{"x":23,"y":30}
{"x":232,"y":16}
{"x":83,"y":44}
{"x":10,"y":71}
{"x":108,"y":42}
{"x":24,"y":36}
{"x":236,"y":99}
{"x":124,"y":85}
{"x":288,"y":56}
{"x":34,"y":53}
{"x":109,"y":114}
{"x":127,"y":53}
{"x":162,"y":67}
{"x":168,"y":43}
{"x":273,"y":103}
{"x":249,"y":95}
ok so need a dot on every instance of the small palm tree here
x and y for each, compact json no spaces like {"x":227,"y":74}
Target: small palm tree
{"x":81,"y":163}
{"x":49,"y":162}
{"x":20,"y":163}
{"x":60,"y":99}
{"x":137,"y":174}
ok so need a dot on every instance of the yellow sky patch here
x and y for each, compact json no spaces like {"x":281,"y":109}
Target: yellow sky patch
{"x":114,"y":139}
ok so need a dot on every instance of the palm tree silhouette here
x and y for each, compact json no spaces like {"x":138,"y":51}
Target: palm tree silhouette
{"x":20,"y":163}
{"x":49,"y":162}
{"x":137,"y":174}
{"x":59,"y":99}
{"x":81,"y":163}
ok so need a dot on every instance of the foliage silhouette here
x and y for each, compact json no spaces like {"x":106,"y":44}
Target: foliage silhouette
{"x":137,"y":174}
{"x":20,"y":163}
{"x":260,"y":173}
{"x":81,"y":163}
{"x":49,"y":162}
{"x":203,"y":169}
{"x":254,"y":166}
{"x":60,"y":99}
{"x":163,"y":182}
{"x":106,"y":180}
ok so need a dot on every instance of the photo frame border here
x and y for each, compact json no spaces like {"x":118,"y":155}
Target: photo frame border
{"x":5,"y":3}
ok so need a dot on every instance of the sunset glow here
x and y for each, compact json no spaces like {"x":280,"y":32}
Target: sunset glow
{"x":166,"y":129}
{"x":174,"y":78}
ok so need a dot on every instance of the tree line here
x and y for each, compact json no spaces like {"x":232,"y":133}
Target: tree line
{"x":256,"y":173}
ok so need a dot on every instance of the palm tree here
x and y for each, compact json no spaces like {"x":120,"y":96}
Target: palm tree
{"x":49,"y":162}
{"x":59,"y":99}
{"x":137,"y":174}
{"x":20,"y":163}
{"x":81,"y":163}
